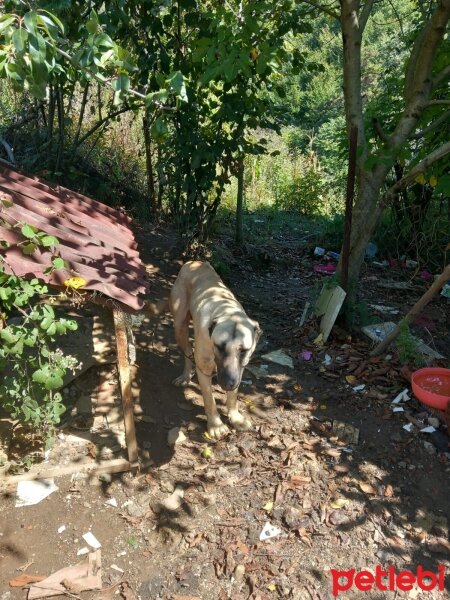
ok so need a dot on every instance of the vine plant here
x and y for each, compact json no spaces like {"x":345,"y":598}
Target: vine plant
{"x":31,"y":365}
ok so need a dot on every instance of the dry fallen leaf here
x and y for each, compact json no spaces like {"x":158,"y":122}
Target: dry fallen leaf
{"x":338,"y":503}
{"x":439,"y":545}
{"x":351,"y":379}
{"x":389,"y":491}
{"x":341,"y":468}
{"x":25,"y":579}
{"x":367,"y":488}
{"x":337,"y":517}
{"x":299,"y":480}
{"x":268,"y":506}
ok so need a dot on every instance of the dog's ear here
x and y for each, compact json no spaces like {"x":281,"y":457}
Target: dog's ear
{"x":258,"y":331}
{"x":211,"y":327}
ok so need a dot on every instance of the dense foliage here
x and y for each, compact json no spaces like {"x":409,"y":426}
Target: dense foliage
{"x":197,"y":87}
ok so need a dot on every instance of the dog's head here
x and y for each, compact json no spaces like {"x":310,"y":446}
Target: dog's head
{"x":234,"y":340}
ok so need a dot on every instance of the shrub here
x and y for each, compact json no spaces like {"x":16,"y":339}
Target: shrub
{"x":33,"y":367}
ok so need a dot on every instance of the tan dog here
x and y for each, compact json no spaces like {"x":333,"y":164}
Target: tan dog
{"x":224,"y":339}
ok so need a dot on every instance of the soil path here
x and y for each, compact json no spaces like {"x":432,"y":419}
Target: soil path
{"x":381,"y":501}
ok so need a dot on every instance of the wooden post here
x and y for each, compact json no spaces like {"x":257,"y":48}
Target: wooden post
{"x":415,"y":310}
{"x":240,"y":202}
{"x":125,"y":387}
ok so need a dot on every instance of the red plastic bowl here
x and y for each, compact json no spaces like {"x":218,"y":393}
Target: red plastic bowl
{"x":432,"y":386}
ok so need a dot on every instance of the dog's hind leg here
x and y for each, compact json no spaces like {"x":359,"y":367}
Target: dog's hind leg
{"x":181,"y":318}
{"x":216,"y":428}
{"x":182,"y":338}
{"x":237,"y":420}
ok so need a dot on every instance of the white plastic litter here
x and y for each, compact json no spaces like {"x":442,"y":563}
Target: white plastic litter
{"x":116,"y":568}
{"x":111,"y":502}
{"x":359,"y":388}
{"x":82,"y":551}
{"x":326,"y":360}
{"x":61,"y":529}
{"x":429,"y":429}
{"x":402,"y":397}
{"x":90,"y":539}
{"x":398,"y":409}
{"x":34,"y":491}
{"x":269,"y":531}
{"x":408,"y":427}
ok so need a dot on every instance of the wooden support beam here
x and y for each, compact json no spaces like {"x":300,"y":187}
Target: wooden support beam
{"x":123,"y":365}
{"x":436,"y":287}
{"x":116,"y":465}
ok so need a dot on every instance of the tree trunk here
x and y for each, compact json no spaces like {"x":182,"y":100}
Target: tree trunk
{"x":240,"y":203}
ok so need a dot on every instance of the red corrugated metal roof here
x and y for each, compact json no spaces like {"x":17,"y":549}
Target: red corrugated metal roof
{"x":95,"y":240}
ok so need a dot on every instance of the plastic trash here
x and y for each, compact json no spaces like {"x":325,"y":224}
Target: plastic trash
{"x":371,"y":250}
{"x":318,"y":251}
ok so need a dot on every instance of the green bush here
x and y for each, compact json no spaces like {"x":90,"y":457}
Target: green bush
{"x":32,"y":367}
{"x":304,"y":194}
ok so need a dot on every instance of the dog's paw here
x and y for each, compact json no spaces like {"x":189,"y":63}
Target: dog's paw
{"x":182,"y":380}
{"x":238,"y":421}
{"x":217,"y":429}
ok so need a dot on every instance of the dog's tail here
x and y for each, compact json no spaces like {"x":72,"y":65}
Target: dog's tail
{"x":156,"y":308}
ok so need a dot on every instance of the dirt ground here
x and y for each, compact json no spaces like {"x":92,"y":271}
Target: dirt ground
{"x":342,"y":504}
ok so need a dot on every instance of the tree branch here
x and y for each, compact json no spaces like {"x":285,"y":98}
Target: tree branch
{"x":418,"y":81}
{"x":441,"y":75}
{"x":437,"y":103}
{"x":379,"y":130}
{"x":100,"y":123}
{"x":365,"y":14}
{"x":416,"y":170}
{"x":431,"y":126}
{"x":323,"y":8}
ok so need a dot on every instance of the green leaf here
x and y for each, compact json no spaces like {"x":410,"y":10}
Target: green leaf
{"x":7,"y":202}
{"x":58,"y":263}
{"x":54,"y":19}
{"x":29,"y":248}
{"x":92,"y":24}
{"x":30,"y":21}
{"x":443,"y":185}
{"x":29,"y":231}
{"x":6,"y":21}
{"x":49,"y":240}
{"x":19,"y":39}
{"x":176,"y":83}
{"x":156,"y":98}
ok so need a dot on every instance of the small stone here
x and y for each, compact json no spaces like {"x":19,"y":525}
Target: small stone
{"x":292,"y":517}
{"x":434,"y":422}
{"x":337,"y":517}
{"x":429,"y":447}
{"x":167,"y":486}
{"x":239,"y":573}
{"x":152,"y":588}
{"x":402,"y":464}
{"x":134,"y":510}
{"x":175,"y":436}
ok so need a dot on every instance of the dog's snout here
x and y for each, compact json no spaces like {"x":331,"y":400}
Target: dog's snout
{"x":228,"y":381}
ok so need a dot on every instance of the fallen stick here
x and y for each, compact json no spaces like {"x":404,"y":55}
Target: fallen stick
{"x":415,"y":310}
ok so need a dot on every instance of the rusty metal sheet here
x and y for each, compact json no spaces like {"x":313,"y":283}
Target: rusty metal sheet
{"x":96,"y":241}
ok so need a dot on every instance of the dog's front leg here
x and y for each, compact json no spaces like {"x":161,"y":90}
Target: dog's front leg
{"x":237,"y":420}
{"x":216,"y":428}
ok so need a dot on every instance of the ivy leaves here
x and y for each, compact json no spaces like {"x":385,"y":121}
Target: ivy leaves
{"x":32,"y":368}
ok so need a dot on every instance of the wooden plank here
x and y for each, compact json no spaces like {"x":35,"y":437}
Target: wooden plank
{"x":328,"y":306}
{"x":125,"y":387}
{"x":117,"y":465}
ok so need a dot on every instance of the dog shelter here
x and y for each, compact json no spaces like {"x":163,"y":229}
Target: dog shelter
{"x":98,"y":247}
